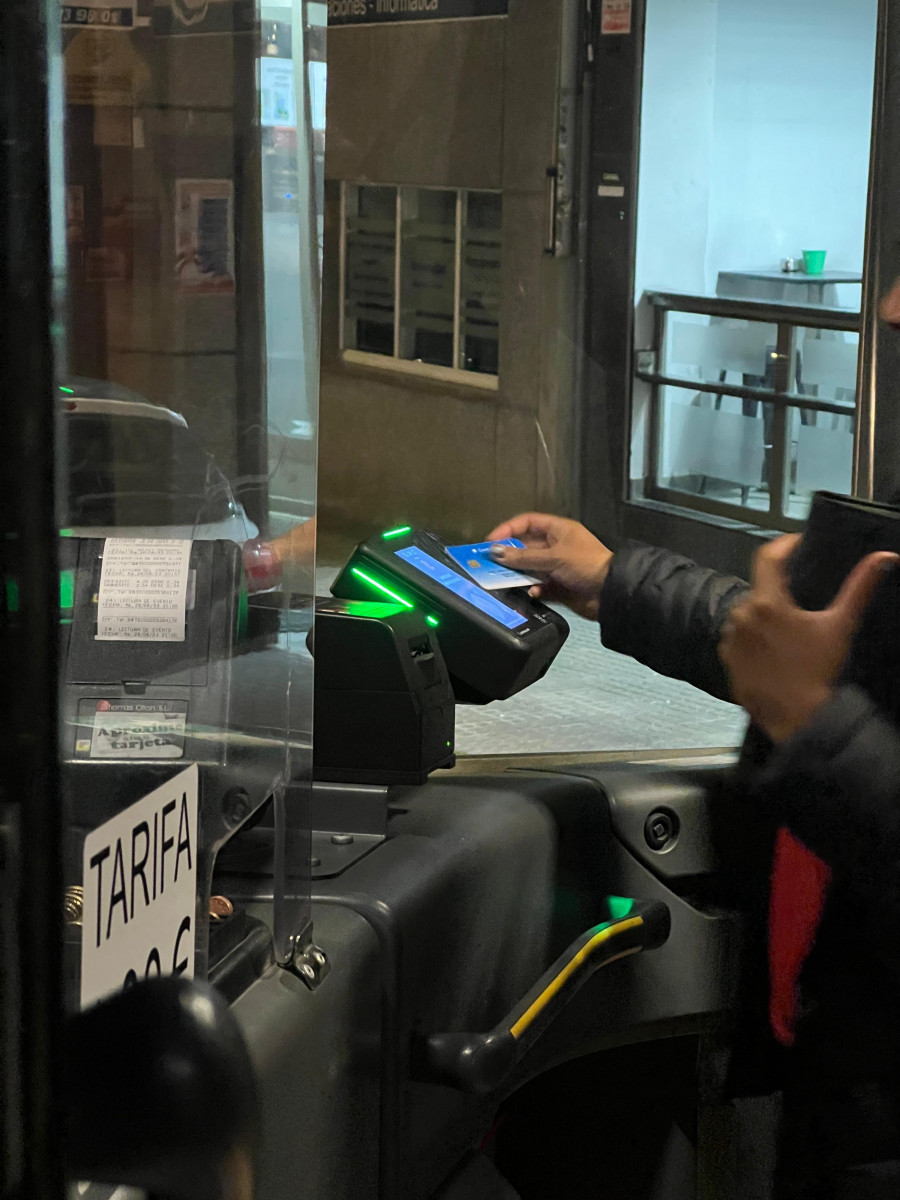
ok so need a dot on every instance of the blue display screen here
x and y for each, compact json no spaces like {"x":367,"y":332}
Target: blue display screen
{"x":449,"y":579}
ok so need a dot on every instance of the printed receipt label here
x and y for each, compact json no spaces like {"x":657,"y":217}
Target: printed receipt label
{"x":143,"y":590}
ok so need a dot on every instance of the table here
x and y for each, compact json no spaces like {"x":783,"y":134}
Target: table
{"x":764,"y":285}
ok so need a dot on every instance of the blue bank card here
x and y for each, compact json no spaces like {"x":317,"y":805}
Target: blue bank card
{"x":475,"y":559}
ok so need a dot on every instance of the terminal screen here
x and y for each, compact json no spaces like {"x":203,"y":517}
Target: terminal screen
{"x":449,"y":579}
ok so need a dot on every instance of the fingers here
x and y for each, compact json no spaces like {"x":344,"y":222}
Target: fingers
{"x":523,"y":524}
{"x":532,"y":558}
{"x":855,"y":595}
{"x":769,"y":565}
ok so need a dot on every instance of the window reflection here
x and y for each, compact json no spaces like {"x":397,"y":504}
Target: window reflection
{"x":371,"y":250}
{"x":422,"y":279}
{"x":428,"y":275}
{"x":480,"y":286}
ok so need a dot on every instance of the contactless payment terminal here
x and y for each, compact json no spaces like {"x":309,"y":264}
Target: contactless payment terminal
{"x":496,"y":639}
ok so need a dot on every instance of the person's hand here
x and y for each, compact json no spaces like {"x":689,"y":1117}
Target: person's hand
{"x":782,"y":660}
{"x":286,"y":559}
{"x":572,"y":561}
{"x":297,"y":547}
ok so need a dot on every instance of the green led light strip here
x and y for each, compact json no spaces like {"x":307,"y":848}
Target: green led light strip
{"x":67,"y":589}
{"x":432,"y":621}
{"x":392,"y":533}
{"x":619,"y":906}
{"x":68,"y":391}
{"x":380,"y":586}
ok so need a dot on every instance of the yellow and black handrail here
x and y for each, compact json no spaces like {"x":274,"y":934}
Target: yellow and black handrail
{"x":479,"y":1062}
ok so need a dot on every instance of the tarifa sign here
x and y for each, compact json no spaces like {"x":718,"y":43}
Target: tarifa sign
{"x":377,"y":12}
{"x":140,"y":891}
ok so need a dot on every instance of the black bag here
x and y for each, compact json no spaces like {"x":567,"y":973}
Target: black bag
{"x":839,"y":533}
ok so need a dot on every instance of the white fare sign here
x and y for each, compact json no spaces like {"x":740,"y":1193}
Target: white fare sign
{"x":140,"y":886}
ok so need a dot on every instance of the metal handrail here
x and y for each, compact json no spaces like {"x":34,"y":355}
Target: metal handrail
{"x":766,"y":395}
{"x":787,"y":318}
{"x":775,"y":312}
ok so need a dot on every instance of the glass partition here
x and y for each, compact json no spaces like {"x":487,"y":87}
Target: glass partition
{"x":187,"y":414}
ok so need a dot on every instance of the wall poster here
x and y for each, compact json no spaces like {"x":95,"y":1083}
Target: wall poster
{"x":615,"y":16}
{"x":204,"y":236}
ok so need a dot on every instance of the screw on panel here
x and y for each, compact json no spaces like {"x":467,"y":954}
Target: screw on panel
{"x":236,"y":805}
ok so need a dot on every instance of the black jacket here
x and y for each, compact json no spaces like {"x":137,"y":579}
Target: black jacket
{"x":836,"y":786}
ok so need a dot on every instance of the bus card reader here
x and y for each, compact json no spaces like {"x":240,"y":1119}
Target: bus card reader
{"x":384,"y":708}
{"x":495,"y":643}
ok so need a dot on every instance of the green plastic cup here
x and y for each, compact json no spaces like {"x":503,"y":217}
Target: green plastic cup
{"x":814,"y":261}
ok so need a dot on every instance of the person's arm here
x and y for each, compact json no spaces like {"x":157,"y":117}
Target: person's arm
{"x":666,"y":612}
{"x":655,"y":606}
{"x":268,"y":563}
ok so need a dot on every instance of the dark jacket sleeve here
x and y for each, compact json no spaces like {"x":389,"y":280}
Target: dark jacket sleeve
{"x":667,"y":613}
{"x":836,"y":785}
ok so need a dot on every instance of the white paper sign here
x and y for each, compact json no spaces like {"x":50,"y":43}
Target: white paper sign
{"x":140,"y":883}
{"x":143,"y":590}
{"x":118,"y":733}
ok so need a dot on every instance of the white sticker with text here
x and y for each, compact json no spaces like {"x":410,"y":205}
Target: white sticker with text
{"x":140,"y":885}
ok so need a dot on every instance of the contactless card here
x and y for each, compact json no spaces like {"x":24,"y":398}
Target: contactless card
{"x":476,"y":561}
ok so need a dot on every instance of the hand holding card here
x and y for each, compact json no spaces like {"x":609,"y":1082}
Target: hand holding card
{"x":475,"y":559}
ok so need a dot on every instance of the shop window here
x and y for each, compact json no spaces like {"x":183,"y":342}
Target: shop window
{"x":421,"y":280}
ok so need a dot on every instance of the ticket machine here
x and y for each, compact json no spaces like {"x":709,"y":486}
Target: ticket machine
{"x":495,"y":642}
